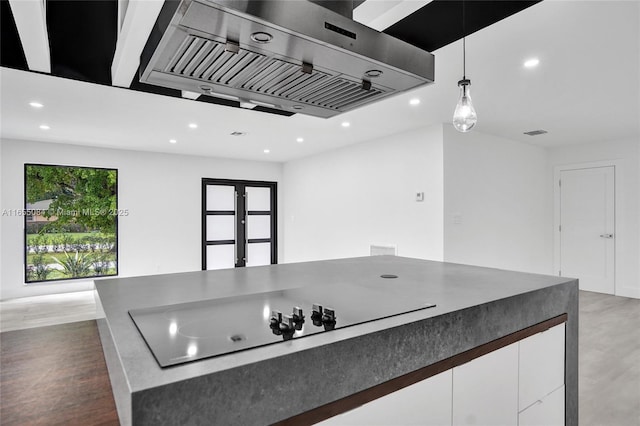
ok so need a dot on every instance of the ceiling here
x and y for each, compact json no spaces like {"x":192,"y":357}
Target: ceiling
{"x":585,"y":89}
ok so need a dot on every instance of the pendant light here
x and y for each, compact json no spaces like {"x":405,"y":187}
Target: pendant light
{"x":464,"y":116}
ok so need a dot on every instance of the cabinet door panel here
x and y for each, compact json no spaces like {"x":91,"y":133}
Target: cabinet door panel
{"x":548,"y":411}
{"x":541,"y":365}
{"x":425,"y":403}
{"x":485,"y":390}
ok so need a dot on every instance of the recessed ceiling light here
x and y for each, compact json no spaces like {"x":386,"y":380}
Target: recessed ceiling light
{"x":536,"y":132}
{"x":266,"y":151}
{"x":531,"y":63}
{"x":44,"y":127}
{"x":36,"y":104}
{"x":346,"y":124}
{"x":300,"y":140}
{"x":193,"y":126}
{"x":414,"y":101}
{"x":173,"y":141}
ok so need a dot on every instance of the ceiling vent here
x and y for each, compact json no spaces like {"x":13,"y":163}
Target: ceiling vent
{"x":536,"y":132}
{"x":295,"y":56}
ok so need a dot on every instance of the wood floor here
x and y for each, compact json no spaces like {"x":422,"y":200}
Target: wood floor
{"x":56,"y":375}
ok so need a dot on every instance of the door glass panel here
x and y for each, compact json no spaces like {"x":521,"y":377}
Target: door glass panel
{"x":258,"y":226}
{"x":221,"y":257}
{"x":258,"y":198}
{"x":220,"y":228}
{"x":258,"y":254}
{"x":220,"y":197}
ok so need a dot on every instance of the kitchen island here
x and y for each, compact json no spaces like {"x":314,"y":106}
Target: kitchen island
{"x":306,"y":380}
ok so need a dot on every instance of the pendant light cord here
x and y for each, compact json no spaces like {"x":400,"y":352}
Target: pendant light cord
{"x":464,"y":60}
{"x":464,"y":45}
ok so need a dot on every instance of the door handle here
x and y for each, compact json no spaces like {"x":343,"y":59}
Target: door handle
{"x":235,"y":227}
{"x":246,"y":227}
{"x":606,"y":235}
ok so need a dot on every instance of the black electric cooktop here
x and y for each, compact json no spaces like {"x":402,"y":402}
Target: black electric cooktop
{"x":191,"y":331}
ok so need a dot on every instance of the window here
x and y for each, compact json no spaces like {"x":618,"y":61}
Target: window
{"x":71,"y":222}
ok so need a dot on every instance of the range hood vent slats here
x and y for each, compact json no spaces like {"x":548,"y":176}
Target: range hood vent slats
{"x":346,"y":93}
{"x":355,"y":94}
{"x":213,"y":52}
{"x":213,"y":62}
{"x":198,"y":58}
{"x":294,"y":75}
{"x":232,"y":67}
{"x":182,"y":55}
{"x":332,"y":87}
{"x":242,"y":68}
{"x":222,"y":63}
{"x":285,"y":72}
{"x":268,"y":72}
{"x":294,"y":81}
{"x":209,"y":61}
{"x":298,"y":93}
{"x":360,"y":97}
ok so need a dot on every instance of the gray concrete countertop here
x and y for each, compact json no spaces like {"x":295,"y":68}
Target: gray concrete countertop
{"x":489,"y":303}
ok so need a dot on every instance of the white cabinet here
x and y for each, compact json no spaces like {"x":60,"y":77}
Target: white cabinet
{"x":548,"y":411}
{"x":541,"y":399}
{"x":520,"y":384}
{"x":425,"y":403}
{"x":485,"y":390}
{"x":541,"y":365}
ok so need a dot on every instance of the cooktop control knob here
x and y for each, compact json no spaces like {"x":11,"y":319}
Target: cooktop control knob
{"x":276,"y":318}
{"x":316,"y":311}
{"x":316,"y":315}
{"x":287,"y":323}
{"x":298,"y":314}
{"x":329,"y":316}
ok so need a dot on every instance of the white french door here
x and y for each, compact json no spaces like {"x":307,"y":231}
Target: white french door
{"x":587,"y":227}
{"x":238,"y":223}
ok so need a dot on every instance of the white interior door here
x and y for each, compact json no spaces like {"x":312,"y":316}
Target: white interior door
{"x":587,"y":227}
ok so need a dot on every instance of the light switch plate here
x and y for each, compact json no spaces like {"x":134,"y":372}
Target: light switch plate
{"x":419,"y":196}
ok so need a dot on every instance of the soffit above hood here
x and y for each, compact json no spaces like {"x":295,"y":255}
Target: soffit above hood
{"x":293,"y":56}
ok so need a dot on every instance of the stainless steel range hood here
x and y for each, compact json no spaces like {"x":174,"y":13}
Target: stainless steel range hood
{"x":292,"y":55}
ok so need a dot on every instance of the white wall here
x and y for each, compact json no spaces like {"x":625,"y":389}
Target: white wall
{"x":625,"y":153}
{"x":339,"y":202}
{"x":638,"y":164}
{"x":1,"y":221}
{"x":162,"y":193}
{"x":497,"y":211}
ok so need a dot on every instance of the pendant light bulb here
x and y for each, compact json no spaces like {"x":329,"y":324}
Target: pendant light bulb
{"x":464,"y":116}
